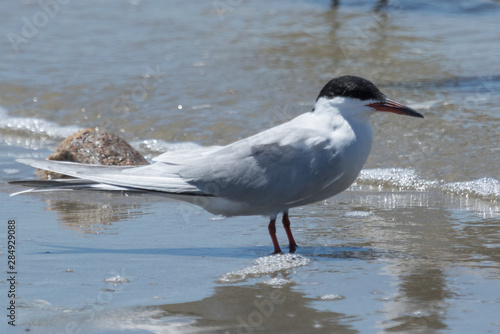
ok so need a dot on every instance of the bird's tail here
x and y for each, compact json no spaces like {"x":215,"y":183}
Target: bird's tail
{"x":37,"y":186}
{"x":155,"y":177}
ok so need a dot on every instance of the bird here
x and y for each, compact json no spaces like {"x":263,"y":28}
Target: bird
{"x":310,"y":158}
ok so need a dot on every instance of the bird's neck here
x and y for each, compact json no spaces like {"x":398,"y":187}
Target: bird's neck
{"x":348,"y":123}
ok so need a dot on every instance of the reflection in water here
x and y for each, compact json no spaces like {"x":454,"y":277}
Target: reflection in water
{"x":436,"y":229}
{"x":383,"y":197}
{"x":420,"y":301}
{"x":258,"y":308}
{"x":94,"y":212}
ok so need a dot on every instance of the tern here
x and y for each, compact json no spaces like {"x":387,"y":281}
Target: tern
{"x":312,"y":157}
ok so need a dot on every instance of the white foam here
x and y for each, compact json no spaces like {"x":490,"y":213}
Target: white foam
{"x":34,"y":125}
{"x":486,"y":187}
{"x":277,"y":282}
{"x":408,"y":179}
{"x":403,"y":178}
{"x":358,"y":214}
{"x":41,"y":127}
{"x":331,"y":297}
{"x":264,"y":266}
{"x":116,"y":279}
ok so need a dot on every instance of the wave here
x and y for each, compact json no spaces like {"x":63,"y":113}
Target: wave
{"x":408,"y":179}
{"x":402,"y":178}
{"x":486,"y":187}
{"x":33,"y":125}
{"x":34,"y":133}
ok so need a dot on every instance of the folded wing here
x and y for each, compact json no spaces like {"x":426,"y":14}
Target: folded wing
{"x":155,"y":177}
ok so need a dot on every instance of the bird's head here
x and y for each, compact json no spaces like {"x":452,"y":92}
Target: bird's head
{"x":354,"y":95}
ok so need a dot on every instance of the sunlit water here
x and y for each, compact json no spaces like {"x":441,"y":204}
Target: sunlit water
{"x":413,"y":246}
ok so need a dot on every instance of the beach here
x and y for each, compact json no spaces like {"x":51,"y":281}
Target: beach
{"x":413,"y":246}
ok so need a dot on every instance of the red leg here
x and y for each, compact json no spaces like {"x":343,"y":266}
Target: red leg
{"x":286,"y":224}
{"x":272,"y":232}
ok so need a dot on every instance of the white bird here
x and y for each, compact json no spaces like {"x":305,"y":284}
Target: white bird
{"x":308,"y":159}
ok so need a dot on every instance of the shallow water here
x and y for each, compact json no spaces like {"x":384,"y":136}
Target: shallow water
{"x":412,"y":247}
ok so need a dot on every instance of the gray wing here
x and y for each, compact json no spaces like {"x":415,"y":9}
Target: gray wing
{"x":260,"y":172}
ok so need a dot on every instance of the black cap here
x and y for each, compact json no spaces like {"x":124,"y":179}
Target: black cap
{"x":353,"y":87}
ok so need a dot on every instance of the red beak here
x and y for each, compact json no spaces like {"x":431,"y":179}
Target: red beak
{"x":394,"y":107}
